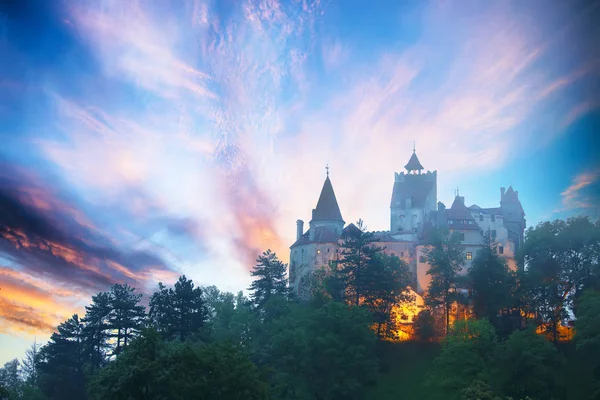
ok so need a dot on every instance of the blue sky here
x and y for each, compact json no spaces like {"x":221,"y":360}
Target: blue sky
{"x":141,"y":141}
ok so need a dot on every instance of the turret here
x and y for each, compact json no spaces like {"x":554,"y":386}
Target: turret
{"x":327,"y":213}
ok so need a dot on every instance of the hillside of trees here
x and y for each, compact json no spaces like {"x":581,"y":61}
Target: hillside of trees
{"x":492,"y":334}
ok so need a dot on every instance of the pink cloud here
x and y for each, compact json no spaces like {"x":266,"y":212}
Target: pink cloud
{"x":575,"y":196}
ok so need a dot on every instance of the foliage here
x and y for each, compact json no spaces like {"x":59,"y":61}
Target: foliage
{"x":61,"y":362}
{"x":153,"y":369}
{"x":388,"y":278}
{"x":491,"y":281}
{"x":587,"y":334}
{"x":445,"y":256}
{"x":528,"y":365}
{"x":126,"y":316}
{"x":467,"y":354}
{"x":358,"y":257}
{"x":478,"y":390}
{"x":270,"y":279}
{"x":424,"y":325}
{"x":323,"y":353}
{"x":178,"y":312}
{"x":560,"y":259}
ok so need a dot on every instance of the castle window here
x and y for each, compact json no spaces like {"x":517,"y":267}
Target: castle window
{"x":469,"y":255}
{"x":481,"y":217}
{"x":401,"y":254}
{"x":493,"y":217}
{"x":422,"y":259}
{"x":494,"y":234}
{"x":328,"y":250}
{"x":450,"y":222}
{"x":462,"y":236}
{"x":501,"y":249}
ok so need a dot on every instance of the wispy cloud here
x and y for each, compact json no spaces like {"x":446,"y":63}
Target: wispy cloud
{"x":583,"y":193}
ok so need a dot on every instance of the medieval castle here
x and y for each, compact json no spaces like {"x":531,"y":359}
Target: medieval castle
{"x":413,"y":210}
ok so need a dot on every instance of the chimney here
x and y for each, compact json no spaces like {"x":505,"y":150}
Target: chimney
{"x":299,"y":229}
{"x":502,"y":191}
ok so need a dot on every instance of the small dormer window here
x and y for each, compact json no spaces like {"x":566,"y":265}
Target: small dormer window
{"x":501,"y":249}
{"x":493,"y":218}
{"x":469,"y":255}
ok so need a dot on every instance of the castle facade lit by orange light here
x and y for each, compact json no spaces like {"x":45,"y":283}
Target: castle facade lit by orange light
{"x":414,"y":211}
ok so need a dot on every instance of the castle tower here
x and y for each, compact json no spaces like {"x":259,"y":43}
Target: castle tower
{"x":414,"y":199}
{"x":327,"y":213}
{"x":317,"y":246}
{"x":513,"y":214}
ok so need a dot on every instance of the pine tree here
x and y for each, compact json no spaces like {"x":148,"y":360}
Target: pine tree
{"x":178,"y":312}
{"x":161,"y":313}
{"x":189,"y":309}
{"x":61,"y":362}
{"x":358,"y":250}
{"x":491,"y":281}
{"x":127,"y":316}
{"x":96,"y":329}
{"x":271,"y":280}
{"x":445,"y":257}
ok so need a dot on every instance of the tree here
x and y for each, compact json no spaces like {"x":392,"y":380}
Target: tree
{"x":61,"y":362}
{"x":424,"y":325}
{"x":30,"y":365}
{"x":445,"y":255}
{"x":127,"y":315}
{"x":358,"y":252}
{"x":179,"y":312}
{"x":467,"y":355}
{"x":97,"y":328}
{"x":152,"y":369}
{"x":10,"y":378}
{"x":528,"y":365}
{"x":325,"y":353}
{"x":560,"y":260}
{"x":386,"y":286}
{"x":587,"y":334}
{"x":270,"y":279}
{"x":491,"y":281}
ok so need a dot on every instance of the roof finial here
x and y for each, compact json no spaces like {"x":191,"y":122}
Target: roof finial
{"x":327,"y":169}
{"x":414,"y":146}
{"x":457,"y":192}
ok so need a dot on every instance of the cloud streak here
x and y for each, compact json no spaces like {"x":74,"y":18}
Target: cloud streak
{"x":583,"y":193}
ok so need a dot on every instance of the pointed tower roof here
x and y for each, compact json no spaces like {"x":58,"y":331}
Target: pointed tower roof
{"x":413,"y":164}
{"x":459,"y":210}
{"x":327,"y":207}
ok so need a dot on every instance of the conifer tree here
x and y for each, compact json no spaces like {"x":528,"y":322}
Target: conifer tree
{"x":270,"y":279}
{"x":358,"y":250}
{"x":178,"y":312}
{"x":188,"y":307}
{"x":96,"y":329}
{"x":445,"y":255}
{"x":127,"y":315}
{"x":491,"y":281}
{"x":61,"y":362}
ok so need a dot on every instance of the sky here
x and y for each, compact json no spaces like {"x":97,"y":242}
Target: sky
{"x":141,"y":140}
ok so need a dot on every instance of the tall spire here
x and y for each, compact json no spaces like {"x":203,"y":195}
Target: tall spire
{"x":327,"y":207}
